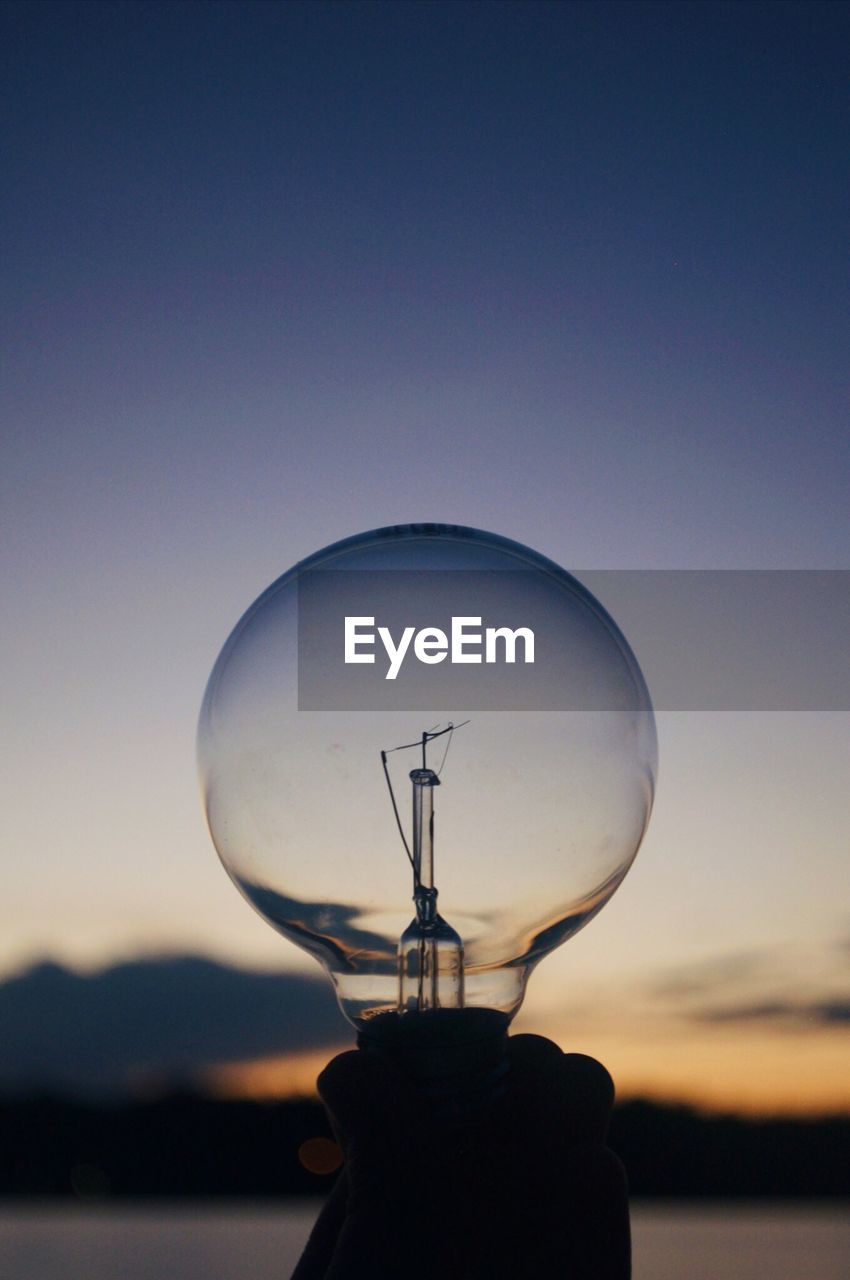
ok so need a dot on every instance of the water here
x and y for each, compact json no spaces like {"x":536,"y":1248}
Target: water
{"x":740,"y":1242}
{"x":227,"y":1242}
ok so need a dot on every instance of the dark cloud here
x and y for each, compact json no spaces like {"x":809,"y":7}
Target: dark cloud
{"x":740,"y":987}
{"x":834,"y":1011}
{"x":165,"y":1018}
{"x":708,"y":975}
{"x":780,"y":1013}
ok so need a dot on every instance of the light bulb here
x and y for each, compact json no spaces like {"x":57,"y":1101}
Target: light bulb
{"x":511,"y":721}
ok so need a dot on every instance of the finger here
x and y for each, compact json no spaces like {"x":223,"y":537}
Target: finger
{"x":365,"y":1095}
{"x":565,"y":1096}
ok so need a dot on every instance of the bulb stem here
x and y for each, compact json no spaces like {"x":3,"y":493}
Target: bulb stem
{"x":430,"y":953}
{"x":424,"y":781}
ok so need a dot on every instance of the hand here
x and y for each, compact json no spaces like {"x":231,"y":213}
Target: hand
{"x":525,"y":1189}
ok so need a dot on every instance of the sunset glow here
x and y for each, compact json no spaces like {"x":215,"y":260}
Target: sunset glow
{"x":279,"y":274}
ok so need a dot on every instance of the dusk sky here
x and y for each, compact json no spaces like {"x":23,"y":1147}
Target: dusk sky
{"x":275,"y":274}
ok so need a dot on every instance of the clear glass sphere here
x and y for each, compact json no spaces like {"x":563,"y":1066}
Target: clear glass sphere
{"x":542,"y":800}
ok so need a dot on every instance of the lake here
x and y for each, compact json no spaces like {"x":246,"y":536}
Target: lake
{"x":230,"y":1242}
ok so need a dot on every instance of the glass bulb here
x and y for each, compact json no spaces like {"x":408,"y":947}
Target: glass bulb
{"x":428,"y":818}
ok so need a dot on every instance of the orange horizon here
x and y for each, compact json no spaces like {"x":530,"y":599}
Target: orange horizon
{"x":294,"y":1076}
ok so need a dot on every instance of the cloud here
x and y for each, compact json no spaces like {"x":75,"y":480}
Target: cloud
{"x":154,"y":1018}
{"x":755,"y":987}
{"x":835,"y":1011}
{"x":782,"y":1013}
{"x":707,"y":975}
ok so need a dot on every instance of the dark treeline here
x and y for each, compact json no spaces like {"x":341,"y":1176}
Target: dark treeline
{"x":674,"y":1151}
{"x":196,"y":1146}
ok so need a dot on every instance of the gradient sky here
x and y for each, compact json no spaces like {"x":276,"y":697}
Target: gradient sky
{"x":577,"y":273}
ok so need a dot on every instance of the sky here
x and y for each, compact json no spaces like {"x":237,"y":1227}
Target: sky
{"x":277,"y":274}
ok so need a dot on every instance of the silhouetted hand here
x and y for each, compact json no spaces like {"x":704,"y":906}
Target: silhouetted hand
{"x":525,"y":1188}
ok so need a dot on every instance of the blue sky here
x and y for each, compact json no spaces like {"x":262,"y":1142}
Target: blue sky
{"x":275,"y":274}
